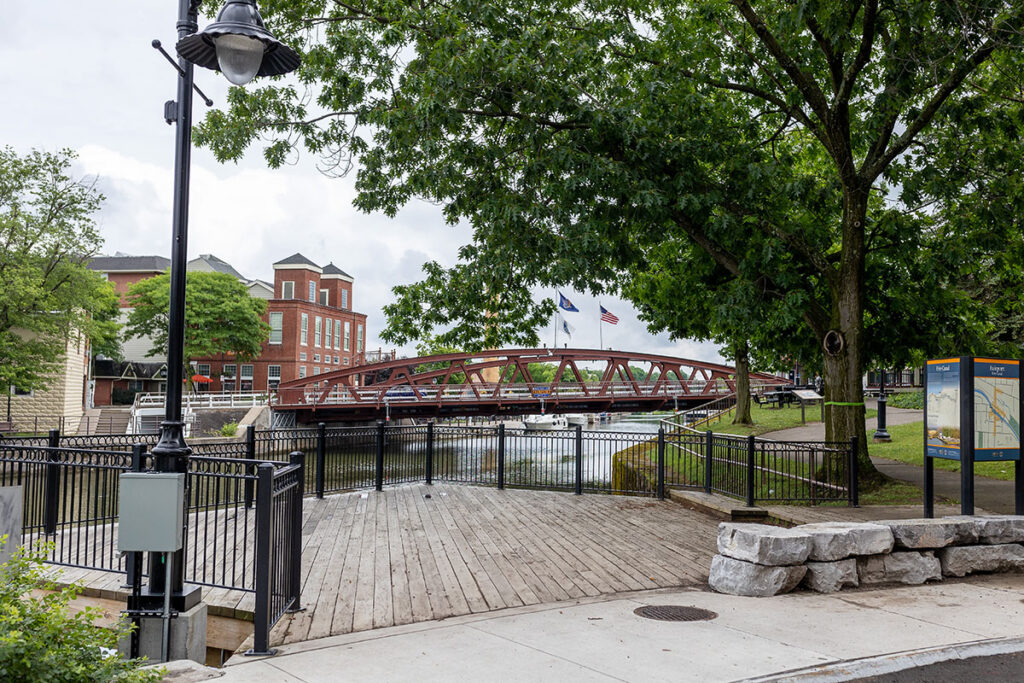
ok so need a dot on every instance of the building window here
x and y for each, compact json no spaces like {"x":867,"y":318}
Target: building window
{"x":17,"y":391}
{"x":344,"y":298}
{"x":246,"y":379}
{"x":302,"y":355}
{"x":302,"y":371}
{"x":287,"y":290}
{"x":276,"y":325}
{"x":348,"y":334}
{"x":316,"y":370}
{"x":227,"y":377}
{"x":359,"y":338}
{"x":337,"y":335}
{"x":324,"y":297}
{"x":336,"y":361}
{"x":316,"y":357}
{"x":304,"y":330}
{"x":312,"y":291}
{"x":204,"y":370}
{"x":134,"y":385}
{"x":328,"y":327}
{"x":318,"y":324}
{"x":273,"y":377}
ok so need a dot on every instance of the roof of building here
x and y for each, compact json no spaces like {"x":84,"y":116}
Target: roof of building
{"x":296,"y":260}
{"x":218,"y":265}
{"x":107,"y":367}
{"x":125,"y":263}
{"x":331,"y":269}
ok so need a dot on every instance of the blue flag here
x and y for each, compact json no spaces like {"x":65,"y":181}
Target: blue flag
{"x":566,"y":327}
{"x":566,"y":304}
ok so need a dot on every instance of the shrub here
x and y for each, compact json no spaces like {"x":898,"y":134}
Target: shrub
{"x":229,"y":429}
{"x":906,"y":399}
{"x":41,"y":641}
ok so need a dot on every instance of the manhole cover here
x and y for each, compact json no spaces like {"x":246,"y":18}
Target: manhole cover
{"x":674,"y":613}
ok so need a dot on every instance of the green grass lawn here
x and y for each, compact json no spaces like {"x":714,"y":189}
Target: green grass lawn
{"x":907,"y":446}
{"x":768,"y":420}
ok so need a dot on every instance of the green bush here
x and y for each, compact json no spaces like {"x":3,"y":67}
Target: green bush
{"x":41,"y":641}
{"x":913,"y":400}
{"x":229,"y":429}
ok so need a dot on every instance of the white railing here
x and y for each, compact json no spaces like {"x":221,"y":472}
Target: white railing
{"x":204,"y":400}
{"x":340,"y":394}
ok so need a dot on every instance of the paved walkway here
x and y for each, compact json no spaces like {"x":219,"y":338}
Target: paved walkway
{"x":601,"y":639}
{"x":991,"y":495}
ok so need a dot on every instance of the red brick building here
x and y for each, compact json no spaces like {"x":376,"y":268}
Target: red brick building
{"x":314,"y":329}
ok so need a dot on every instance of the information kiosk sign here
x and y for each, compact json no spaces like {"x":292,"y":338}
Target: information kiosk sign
{"x":996,"y":409}
{"x":942,"y":409}
{"x":972,"y":413}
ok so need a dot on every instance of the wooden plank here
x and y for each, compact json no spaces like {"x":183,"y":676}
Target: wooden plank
{"x":339,"y":590}
{"x":433,"y":586}
{"x":456,"y":591}
{"x":401,"y":598}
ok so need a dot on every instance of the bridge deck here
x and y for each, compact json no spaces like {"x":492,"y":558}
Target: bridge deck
{"x":380,"y":559}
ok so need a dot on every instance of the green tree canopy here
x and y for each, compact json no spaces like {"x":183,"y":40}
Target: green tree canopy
{"x":221,"y":317}
{"x":574,"y":135}
{"x":47,"y":294}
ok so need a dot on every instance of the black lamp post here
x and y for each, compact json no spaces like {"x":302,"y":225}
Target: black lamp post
{"x":239,"y":45}
{"x":880,"y":433}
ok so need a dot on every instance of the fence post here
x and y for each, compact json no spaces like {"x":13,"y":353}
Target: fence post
{"x":132,"y":559}
{"x":501,"y":456}
{"x":750,"y":470}
{"x":295,"y":552}
{"x":264,"y":527}
{"x":854,"y":474}
{"x":250,"y":454}
{"x":379,"y":481}
{"x":430,"y":452}
{"x":661,"y":463}
{"x":579,"y":460}
{"x":709,"y":446}
{"x":52,"y":495}
{"x":321,"y":456}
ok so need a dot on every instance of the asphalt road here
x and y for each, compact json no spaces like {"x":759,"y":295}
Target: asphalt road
{"x":974,"y":670}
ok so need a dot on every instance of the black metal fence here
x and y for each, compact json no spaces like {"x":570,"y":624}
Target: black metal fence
{"x":70,"y":498}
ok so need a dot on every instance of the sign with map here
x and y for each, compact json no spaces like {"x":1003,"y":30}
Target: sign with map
{"x":996,"y":409}
{"x":942,"y":409}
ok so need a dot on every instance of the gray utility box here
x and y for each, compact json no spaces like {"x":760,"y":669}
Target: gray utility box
{"x":151,"y":511}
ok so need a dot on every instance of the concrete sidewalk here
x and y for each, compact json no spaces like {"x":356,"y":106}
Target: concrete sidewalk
{"x":811,"y":636}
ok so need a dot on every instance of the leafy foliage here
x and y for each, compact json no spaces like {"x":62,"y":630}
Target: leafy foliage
{"x":47,"y":294}
{"x":779,"y":139}
{"x":220,"y":316}
{"x":40,"y":640}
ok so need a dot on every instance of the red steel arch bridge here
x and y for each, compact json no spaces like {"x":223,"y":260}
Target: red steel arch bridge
{"x":502,"y":383}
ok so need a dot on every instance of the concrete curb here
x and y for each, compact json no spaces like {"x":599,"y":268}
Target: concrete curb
{"x":854,"y":669}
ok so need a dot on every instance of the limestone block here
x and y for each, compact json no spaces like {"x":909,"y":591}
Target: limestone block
{"x":763,"y":544}
{"x":900,"y":567}
{"x":838,"y":540}
{"x":736,"y":577}
{"x":967,"y":559}
{"x":916,"y":534}
{"x":828,"y":577}
{"x":1000,"y":529}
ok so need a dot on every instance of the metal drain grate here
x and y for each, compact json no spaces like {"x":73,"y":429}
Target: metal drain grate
{"x":674,"y":613}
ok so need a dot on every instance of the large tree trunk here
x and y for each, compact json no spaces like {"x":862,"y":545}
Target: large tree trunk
{"x":844,"y":393}
{"x":741,"y":352}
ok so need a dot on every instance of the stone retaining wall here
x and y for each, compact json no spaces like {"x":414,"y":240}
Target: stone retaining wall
{"x":762,"y":560}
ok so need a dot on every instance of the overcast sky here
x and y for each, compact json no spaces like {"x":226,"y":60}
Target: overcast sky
{"x":83,"y":76}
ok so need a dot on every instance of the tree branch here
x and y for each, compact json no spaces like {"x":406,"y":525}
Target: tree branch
{"x":860,"y":60}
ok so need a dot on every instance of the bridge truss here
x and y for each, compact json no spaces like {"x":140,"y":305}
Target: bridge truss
{"x":502,"y":383}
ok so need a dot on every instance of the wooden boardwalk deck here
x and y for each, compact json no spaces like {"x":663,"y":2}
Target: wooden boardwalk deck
{"x":372,"y":559}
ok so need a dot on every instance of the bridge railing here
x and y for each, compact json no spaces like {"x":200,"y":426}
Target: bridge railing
{"x":342,"y":394}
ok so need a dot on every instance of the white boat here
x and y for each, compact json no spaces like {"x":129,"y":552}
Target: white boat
{"x":538,"y":423}
{"x":576,"y":419}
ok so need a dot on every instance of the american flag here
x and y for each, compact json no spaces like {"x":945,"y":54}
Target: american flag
{"x":609,"y":317}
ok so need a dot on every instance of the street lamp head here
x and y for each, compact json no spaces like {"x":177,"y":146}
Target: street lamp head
{"x":239,"y":45}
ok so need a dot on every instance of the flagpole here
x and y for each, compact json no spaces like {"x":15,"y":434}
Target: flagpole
{"x":554,"y":321}
{"x":600,"y":328}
